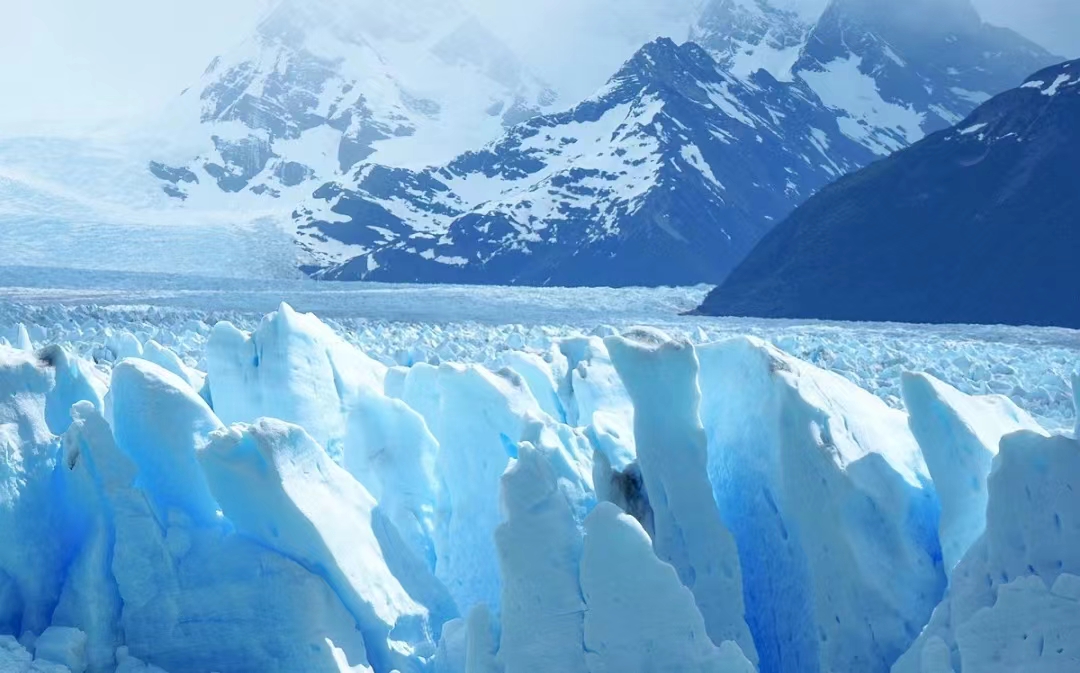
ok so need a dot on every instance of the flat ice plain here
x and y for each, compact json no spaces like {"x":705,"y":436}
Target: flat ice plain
{"x":405,"y":324}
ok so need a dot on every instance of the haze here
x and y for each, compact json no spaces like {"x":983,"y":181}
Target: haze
{"x":70,"y":65}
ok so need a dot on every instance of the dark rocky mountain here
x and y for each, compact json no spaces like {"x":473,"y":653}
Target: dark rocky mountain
{"x":979,"y":223}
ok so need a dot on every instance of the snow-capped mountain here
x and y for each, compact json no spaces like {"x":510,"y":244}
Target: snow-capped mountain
{"x":745,"y":36}
{"x":406,"y":141}
{"x":667,"y":176}
{"x":892,"y":71}
{"x":896,"y":71}
{"x":975,"y":224}
{"x":325,"y":84}
{"x":674,"y":170}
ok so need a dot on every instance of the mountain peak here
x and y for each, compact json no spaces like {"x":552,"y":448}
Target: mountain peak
{"x":926,"y":16}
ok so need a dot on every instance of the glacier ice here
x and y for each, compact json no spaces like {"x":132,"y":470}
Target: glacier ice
{"x":31,"y":557}
{"x":482,"y":641}
{"x":390,"y":450}
{"x":62,"y":645}
{"x":640,"y":618}
{"x":556,"y":500}
{"x":1014,"y":600}
{"x":596,"y":398}
{"x":1076,"y":402}
{"x":831,"y":506}
{"x":14,"y":658}
{"x":541,"y":377}
{"x":293,"y":367}
{"x":474,"y":450}
{"x":280,"y":489}
{"x":959,"y":437}
{"x":661,"y":377}
{"x":160,"y":423}
{"x":184,"y":574}
{"x":539,"y":546}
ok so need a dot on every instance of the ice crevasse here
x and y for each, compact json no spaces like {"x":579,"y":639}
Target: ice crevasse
{"x":627,"y":504}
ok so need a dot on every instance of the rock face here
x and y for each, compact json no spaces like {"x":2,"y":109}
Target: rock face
{"x":975,"y":224}
{"x":675,"y":170}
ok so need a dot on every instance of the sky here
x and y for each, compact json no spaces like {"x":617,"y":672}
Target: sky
{"x":76,"y":64}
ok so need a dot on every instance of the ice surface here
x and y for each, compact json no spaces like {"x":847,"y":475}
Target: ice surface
{"x":640,"y":618}
{"x":596,"y":398}
{"x":30,"y":555}
{"x":62,"y":645}
{"x":661,"y":376}
{"x":161,"y":423}
{"x":280,"y":488}
{"x":76,"y":381}
{"x":14,"y":658}
{"x":959,"y":437}
{"x":453,"y":526}
{"x":539,"y":547}
{"x":389,"y":449}
{"x":1032,"y":367}
{"x":1076,"y":403}
{"x":1014,"y":600}
{"x":831,"y":506}
{"x":293,"y":368}
{"x":481,"y":418}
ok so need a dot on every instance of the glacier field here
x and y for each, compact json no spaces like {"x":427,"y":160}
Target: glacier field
{"x":239,"y":476}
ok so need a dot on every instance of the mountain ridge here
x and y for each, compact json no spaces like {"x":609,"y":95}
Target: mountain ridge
{"x":975,"y":224}
{"x":830,"y":112}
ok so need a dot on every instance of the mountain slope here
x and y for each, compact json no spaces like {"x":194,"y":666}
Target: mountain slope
{"x":326,"y":84}
{"x":932,"y":58}
{"x":675,"y":170}
{"x":667,"y":176}
{"x":975,"y":224}
{"x":892,"y":71}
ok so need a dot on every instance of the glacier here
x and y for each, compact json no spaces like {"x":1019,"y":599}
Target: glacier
{"x":195,"y":488}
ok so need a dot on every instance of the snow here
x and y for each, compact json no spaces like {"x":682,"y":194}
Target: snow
{"x":560,"y":480}
{"x":1064,"y":79}
{"x":778,"y":62}
{"x":692,"y":155}
{"x":866,"y":118}
{"x":976,"y":97}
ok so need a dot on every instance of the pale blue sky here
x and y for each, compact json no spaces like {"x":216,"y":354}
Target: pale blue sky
{"x":74,"y":63}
